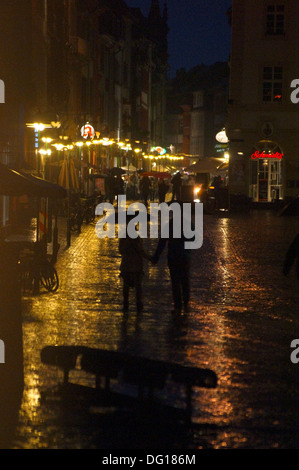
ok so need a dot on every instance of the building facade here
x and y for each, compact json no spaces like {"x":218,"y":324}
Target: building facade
{"x":65,"y":64}
{"x":197,"y":111}
{"x":263,"y":122}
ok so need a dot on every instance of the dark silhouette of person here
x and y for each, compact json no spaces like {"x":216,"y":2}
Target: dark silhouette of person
{"x":162,"y":190}
{"x":176,"y":186}
{"x":110,"y":188}
{"x":131,"y":269}
{"x":292,"y":255}
{"x":179,"y":263}
{"x":145,"y":185}
{"x":217,"y":182}
{"x":119,"y":186}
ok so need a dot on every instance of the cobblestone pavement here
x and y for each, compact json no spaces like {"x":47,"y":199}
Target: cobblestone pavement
{"x":244,"y":315}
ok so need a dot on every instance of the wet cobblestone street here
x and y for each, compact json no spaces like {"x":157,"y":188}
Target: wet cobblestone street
{"x":244,"y":315}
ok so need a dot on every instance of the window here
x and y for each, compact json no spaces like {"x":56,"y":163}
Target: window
{"x":197,"y":99}
{"x":180,"y":126}
{"x":272,"y":84}
{"x":275,"y":19}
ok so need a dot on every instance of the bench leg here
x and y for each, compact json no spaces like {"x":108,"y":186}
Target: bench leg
{"x":66,"y":376}
{"x":98,"y":381}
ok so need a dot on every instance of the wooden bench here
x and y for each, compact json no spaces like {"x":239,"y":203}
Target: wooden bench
{"x":148,"y":375}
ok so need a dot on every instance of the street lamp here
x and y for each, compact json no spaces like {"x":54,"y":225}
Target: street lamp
{"x":98,"y":157}
{"x":68,"y":148}
{"x":59,"y":148}
{"x":79,"y":146}
{"x":38,"y":128}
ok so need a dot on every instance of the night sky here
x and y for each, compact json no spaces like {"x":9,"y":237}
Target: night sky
{"x":199,"y":31}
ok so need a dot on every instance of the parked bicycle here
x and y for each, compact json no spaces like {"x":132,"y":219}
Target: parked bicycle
{"x":83,"y":211}
{"x":37,"y":270}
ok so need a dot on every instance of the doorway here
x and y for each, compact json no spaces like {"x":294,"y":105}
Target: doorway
{"x":266,"y":174}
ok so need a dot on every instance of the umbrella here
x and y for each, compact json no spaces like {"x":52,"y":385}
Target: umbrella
{"x":129,"y":168}
{"x":207,"y":165}
{"x":117,"y":171}
{"x":68,"y":177}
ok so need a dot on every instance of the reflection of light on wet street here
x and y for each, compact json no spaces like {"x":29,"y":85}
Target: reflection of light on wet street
{"x":243,"y":317}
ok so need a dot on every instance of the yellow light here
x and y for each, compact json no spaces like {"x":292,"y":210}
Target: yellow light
{"x":47,"y":140}
{"x":88,"y":143}
{"x":79,"y":144}
{"x":106,"y":141}
{"x":58,"y":147}
{"x":38,"y":127}
{"x":45,"y":152}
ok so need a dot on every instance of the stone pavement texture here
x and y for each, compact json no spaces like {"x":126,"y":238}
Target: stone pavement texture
{"x":244,"y":315}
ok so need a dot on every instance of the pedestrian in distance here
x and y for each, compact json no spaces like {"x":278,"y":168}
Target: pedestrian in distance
{"x":119,"y":186}
{"x":162,"y":190}
{"x":131,"y":269}
{"x":110,"y":188}
{"x":145,"y":186}
{"x":176,"y":186}
{"x":179,"y":263}
{"x":217,"y":182}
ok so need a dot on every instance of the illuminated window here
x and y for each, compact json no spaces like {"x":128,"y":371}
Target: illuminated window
{"x":275,"y":19}
{"x":272,"y":84}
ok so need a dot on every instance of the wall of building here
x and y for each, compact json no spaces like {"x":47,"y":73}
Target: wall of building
{"x":252,"y":119}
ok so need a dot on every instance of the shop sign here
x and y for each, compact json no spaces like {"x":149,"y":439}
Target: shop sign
{"x":222,"y":137}
{"x":258,"y":154}
{"x":87,"y":131}
{"x":159,"y":150}
{"x":222,"y":147}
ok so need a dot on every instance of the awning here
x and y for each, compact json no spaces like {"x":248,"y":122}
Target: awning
{"x":160,"y":175}
{"x":206,"y":165}
{"x":129,"y":168}
{"x":13,"y":183}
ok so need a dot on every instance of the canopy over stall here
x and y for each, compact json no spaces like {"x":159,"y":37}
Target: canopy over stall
{"x":16,"y":184}
{"x":154,"y":174}
{"x":207,"y":165}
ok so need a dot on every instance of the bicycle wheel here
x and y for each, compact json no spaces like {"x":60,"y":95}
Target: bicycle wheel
{"x":49,"y":278}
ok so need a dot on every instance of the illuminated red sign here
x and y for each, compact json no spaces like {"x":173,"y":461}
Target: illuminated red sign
{"x":87,"y":131}
{"x":258,"y":154}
